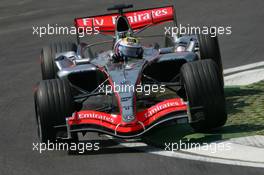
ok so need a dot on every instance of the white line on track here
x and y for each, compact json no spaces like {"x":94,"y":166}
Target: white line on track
{"x":245,"y":78}
{"x":244,"y":67}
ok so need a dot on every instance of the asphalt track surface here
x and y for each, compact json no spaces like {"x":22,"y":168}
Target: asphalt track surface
{"x":20,"y":70}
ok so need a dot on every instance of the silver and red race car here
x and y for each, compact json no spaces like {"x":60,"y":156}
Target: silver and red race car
{"x":126,"y":90}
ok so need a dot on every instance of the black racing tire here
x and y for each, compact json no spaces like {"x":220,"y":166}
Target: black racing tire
{"x":53,"y":103}
{"x":209,"y":49}
{"x":205,"y":95}
{"x":47,"y":56}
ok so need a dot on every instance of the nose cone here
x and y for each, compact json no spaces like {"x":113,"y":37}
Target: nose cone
{"x":124,"y":82}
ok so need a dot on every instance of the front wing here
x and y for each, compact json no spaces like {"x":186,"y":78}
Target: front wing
{"x":111,"y":124}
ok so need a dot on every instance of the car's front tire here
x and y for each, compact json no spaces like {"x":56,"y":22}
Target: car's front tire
{"x":53,"y":103}
{"x":205,"y":95}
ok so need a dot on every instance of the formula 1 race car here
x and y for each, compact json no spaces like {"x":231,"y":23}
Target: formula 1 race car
{"x":126,"y":90}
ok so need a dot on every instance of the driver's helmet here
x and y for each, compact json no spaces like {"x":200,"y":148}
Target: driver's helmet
{"x":128,"y":47}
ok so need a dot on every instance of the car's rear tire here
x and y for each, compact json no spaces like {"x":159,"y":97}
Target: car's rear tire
{"x":53,"y":103}
{"x":209,"y":49}
{"x":47,"y":56}
{"x":205,"y":95}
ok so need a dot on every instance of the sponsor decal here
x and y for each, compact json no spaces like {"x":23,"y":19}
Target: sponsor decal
{"x":97,"y":116}
{"x":155,"y":109}
{"x":137,"y":19}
